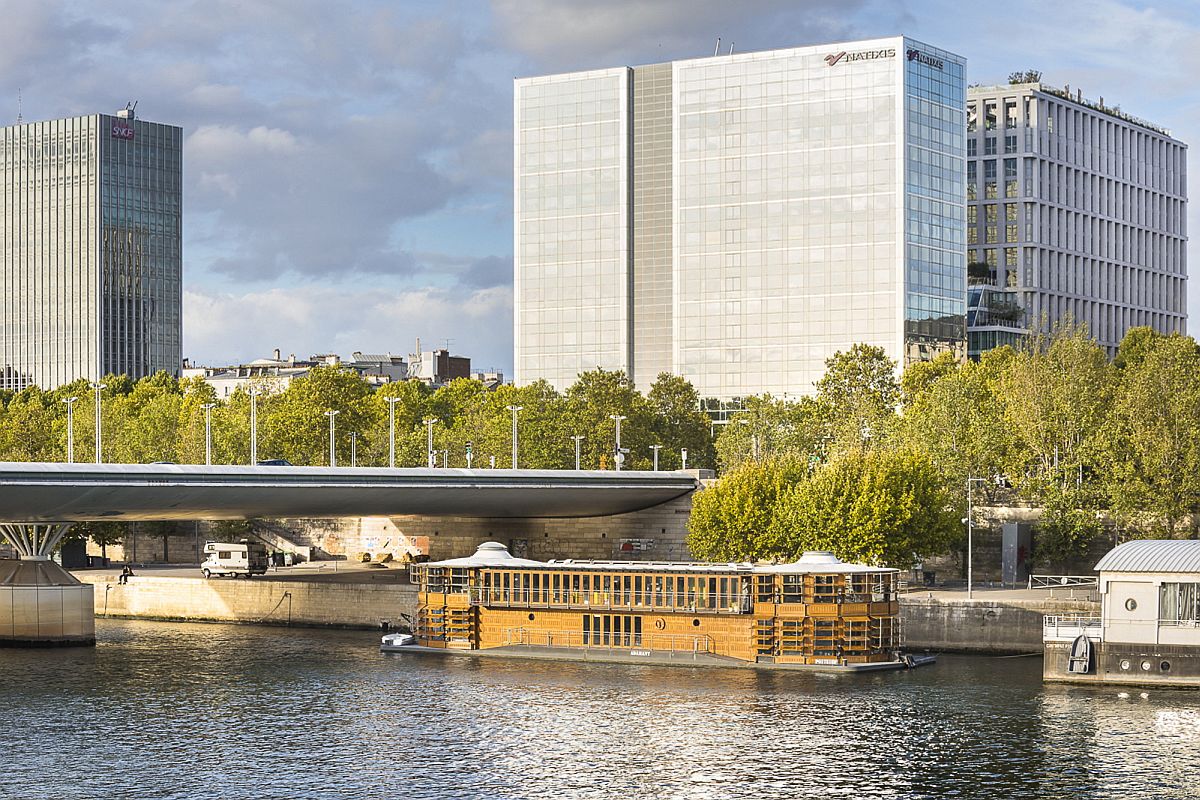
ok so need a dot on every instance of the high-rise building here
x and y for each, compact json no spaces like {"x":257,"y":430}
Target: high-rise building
{"x":1075,"y":210}
{"x":91,"y":249}
{"x":738,"y":219}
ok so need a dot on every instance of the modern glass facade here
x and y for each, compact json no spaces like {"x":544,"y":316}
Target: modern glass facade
{"x":90,"y":216}
{"x":816,"y":201}
{"x":1076,"y":210}
{"x":571,"y":217}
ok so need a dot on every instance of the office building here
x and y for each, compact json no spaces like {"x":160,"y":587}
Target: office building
{"x":90,"y":249}
{"x":1075,"y":209}
{"x":739,"y":219}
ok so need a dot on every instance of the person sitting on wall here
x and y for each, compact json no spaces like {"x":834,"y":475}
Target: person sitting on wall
{"x":126,"y":574}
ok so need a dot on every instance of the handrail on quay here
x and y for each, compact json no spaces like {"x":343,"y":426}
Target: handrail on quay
{"x":1067,"y":627}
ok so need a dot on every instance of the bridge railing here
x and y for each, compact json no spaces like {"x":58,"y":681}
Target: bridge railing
{"x":1062,"y":581}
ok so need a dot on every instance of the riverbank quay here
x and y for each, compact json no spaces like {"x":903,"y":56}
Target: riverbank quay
{"x":352,"y":597}
{"x":992,"y":622}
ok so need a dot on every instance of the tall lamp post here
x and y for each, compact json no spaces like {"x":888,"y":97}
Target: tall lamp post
{"x":391,"y":401}
{"x":618,"y":456}
{"x":70,"y":401}
{"x":577,"y":439}
{"x":253,"y":392}
{"x":514,"y":410}
{"x":208,"y":407}
{"x":970,"y":535}
{"x":98,"y":387}
{"x":656,"y":448}
{"x":332,"y":451}
{"x":354,"y":448}
{"x":430,"y":456}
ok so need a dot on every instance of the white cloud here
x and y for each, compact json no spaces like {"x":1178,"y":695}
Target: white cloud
{"x":224,"y":328}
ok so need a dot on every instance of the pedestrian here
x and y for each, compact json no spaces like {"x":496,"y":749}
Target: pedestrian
{"x":126,"y":574}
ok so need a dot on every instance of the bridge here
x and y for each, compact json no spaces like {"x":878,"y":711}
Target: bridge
{"x":39,"y":503}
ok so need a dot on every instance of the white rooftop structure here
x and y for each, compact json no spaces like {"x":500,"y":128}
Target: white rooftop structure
{"x":1153,"y":555}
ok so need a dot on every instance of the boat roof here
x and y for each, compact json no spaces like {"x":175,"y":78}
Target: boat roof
{"x":496,"y":555}
{"x":1153,"y":555}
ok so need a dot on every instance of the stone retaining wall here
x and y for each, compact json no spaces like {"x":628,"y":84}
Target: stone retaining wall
{"x":353,"y":605}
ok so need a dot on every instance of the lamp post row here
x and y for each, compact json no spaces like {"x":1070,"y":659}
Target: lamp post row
{"x":619,"y":452}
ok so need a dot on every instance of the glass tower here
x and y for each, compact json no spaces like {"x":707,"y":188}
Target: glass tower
{"x":91,"y":238}
{"x":764,"y":210}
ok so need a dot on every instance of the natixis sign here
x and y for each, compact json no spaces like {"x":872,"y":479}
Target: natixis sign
{"x":833,"y":59}
{"x":925,"y":58}
{"x":122,"y":130}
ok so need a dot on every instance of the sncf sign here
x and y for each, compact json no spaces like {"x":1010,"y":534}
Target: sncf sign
{"x":122,"y":130}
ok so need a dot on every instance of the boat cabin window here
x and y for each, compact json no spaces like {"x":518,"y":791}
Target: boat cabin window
{"x":1179,"y":602}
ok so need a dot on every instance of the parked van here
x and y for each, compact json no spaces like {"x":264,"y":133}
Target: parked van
{"x":243,"y":558}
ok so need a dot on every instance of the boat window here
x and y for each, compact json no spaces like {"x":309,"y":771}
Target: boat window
{"x":627,"y":590}
{"x":607,"y":630}
{"x":658,"y":591}
{"x":793,"y":588}
{"x":766,"y":589}
{"x":1179,"y":603}
{"x":587,"y":628}
{"x":575,"y":597}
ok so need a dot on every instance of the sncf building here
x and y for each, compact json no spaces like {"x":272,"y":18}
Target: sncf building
{"x":739,"y":219}
{"x":90,"y":249}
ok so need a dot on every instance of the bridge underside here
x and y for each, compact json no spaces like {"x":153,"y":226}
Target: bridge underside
{"x":43,"y":493}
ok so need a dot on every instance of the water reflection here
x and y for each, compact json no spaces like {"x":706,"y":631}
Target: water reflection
{"x":180,"y":711}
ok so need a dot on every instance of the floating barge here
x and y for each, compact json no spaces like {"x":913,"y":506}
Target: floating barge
{"x":1148,"y":631}
{"x":817,"y":613}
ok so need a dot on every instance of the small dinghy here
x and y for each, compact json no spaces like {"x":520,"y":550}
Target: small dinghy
{"x":396,"y":641}
{"x":1080,"y":661}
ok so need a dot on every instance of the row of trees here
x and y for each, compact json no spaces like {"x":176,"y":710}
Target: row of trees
{"x":160,"y":418}
{"x":877,"y":467}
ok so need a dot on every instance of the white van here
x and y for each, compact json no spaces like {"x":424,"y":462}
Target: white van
{"x":243,"y":558}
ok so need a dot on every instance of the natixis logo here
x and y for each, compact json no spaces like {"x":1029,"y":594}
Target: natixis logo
{"x":844,"y":57}
{"x":925,"y":58}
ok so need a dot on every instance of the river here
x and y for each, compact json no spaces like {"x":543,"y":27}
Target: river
{"x":164,"y":710}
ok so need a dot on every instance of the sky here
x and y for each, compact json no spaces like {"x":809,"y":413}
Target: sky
{"x":348,"y":164}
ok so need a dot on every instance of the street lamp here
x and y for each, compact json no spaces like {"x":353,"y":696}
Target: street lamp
{"x":656,"y":448}
{"x":514,"y":410}
{"x":391,"y":401}
{"x":683,"y":458}
{"x":970,"y":535}
{"x":98,"y":387}
{"x":430,"y":456}
{"x":577,"y":439}
{"x":253,"y":392}
{"x":354,"y":448}
{"x":332,"y":453}
{"x":470,"y":453}
{"x":618,"y":456}
{"x":208,"y":407}
{"x":70,"y":401}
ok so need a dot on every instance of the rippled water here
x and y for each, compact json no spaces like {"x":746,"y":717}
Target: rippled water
{"x":180,"y":711}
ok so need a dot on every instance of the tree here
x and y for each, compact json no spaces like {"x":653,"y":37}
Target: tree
{"x":1025,"y":76}
{"x":1067,"y":528}
{"x":296,"y":427}
{"x":737,"y":517}
{"x":1152,"y":465}
{"x":871,"y":507}
{"x":860,"y":393}
{"x":1056,"y":395}
{"x":591,"y":403}
{"x":102,"y":533}
{"x":776,"y":429}
{"x":678,"y":422}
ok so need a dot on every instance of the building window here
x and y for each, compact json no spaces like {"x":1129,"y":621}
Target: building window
{"x":972,"y":215}
{"x":989,"y":145}
{"x":989,"y":115}
{"x":1010,"y":143}
{"x":972,"y":148}
{"x":972,"y":117}
{"x":1010,"y":233}
{"x":992,"y":235}
{"x":972,"y":235}
{"x":1010,"y":257}
{"x":1179,"y":603}
{"x":1010,"y":113}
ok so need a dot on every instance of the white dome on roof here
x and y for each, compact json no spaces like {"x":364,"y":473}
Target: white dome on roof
{"x":489,"y":554}
{"x":818,"y":557}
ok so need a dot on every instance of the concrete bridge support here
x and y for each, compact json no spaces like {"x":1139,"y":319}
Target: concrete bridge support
{"x":41,"y":604}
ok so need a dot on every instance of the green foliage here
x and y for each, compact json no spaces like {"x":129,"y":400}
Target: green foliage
{"x":860,"y":394}
{"x":876,"y":507}
{"x":1152,"y":439}
{"x":775,"y":428}
{"x":1067,"y":527}
{"x":737,"y":517}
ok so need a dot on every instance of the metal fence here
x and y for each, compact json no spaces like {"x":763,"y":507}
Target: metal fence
{"x":659,"y":642}
{"x":1066,"y":627}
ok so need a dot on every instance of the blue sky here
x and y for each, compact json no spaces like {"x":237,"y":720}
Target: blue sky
{"x":348,"y":165}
